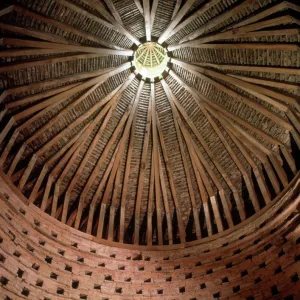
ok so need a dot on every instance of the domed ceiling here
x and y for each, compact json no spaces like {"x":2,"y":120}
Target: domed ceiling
{"x":178,"y":156}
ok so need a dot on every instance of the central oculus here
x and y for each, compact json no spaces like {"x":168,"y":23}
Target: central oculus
{"x":151,"y":60}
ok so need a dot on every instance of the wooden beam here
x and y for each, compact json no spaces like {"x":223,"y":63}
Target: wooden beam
{"x":232,"y":35}
{"x":139,"y":6}
{"x":170,"y":173}
{"x":279,"y":70}
{"x":258,"y":91}
{"x":130,"y":126}
{"x":35,"y":63}
{"x":109,"y":108}
{"x":113,"y":207}
{"x":176,"y":8}
{"x":203,"y":181}
{"x":28,"y":52}
{"x":82,"y":11}
{"x":210,"y":171}
{"x":68,"y":79}
{"x":249,"y":46}
{"x":216,"y":21}
{"x":156,"y":168}
{"x":241,"y":131}
{"x":168,"y":31}
{"x":63,"y":47}
{"x":27,"y":172}
{"x":268,"y":82}
{"x":253,"y":146}
{"x":256,"y":170}
{"x":147,"y":17}
{"x":10,"y":124}
{"x":39,"y":96}
{"x":99,"y":7}
{"x":267,"y":12}
{"x":165,"y":200}
{"x":99,"y":189}
{"x":84,"y":35}
{"x":113,"y":11}
{"x":170,"y":96}
{"x":194,"y":16}
{"x":150,"y":205}
{"x":52,"y":102}
{"x":3,"y":95}
{"x":66,"y":152}
{"x":142,"y":174}
{"x":8,"y":147}
{"x":125,"y":186}
{"x":66,"y":109}
{"x":3,"y":112}
{"x":237,"y":119}
{"x":54,"y":173}
{"x":6,"y":10}
{"x":131,"y":118}
{"x":83,"y":162}
{"x":153,"y":12}
{"x":36,"y":34}
{"x":239,"y":164}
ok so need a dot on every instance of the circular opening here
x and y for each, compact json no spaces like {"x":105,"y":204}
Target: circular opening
{"x":150,"y":60}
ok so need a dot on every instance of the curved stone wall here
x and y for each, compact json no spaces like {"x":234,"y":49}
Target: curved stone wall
{"x":44,"y":259}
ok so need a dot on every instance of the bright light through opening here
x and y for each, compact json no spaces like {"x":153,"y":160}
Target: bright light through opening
{"x":151,"y":60}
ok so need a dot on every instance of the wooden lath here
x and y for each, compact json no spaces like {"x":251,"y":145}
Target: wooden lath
{"x":69,"y":130}
{"x":169,"y":170}
{"x":150,"y":205}
{"x":250,"y":88}
{"x":113,"y":11}
{"x":55,"y":171}
{"x":65,"y":152}
{"x":47,"y":61}
{"x":64,"y":47}
{"x":130,"y":122}
{"x":203,"y":181}
{"x":242,"y":31}
{"x":99,"y":7}
{"x":229,"y":114}
{"x":278,"y":70}
{"x":170,"y":96}
{"x":36,"y":34}
{"x":210,"y":154}
{"x":142,"y":173}
{"x":65,"y":27}
{"x":113,"y":207}
{"x":107,"y":113}
{"x":60,"y":98}
{"x":194,"y":16}
{"x":261,"y":150}
{"x":175,"y":21}
{"x":156,"y":169}
{"x":217,"y":20}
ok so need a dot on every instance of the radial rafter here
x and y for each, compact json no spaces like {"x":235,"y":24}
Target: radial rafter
{"x":73,"y":116}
